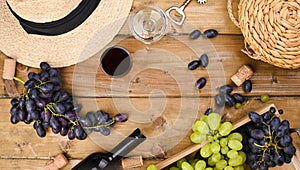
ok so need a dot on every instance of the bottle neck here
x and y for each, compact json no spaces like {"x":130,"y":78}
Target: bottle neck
{"x":127,"y":145}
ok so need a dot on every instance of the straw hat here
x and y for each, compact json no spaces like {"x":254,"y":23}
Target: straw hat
{"x":59,"y":47}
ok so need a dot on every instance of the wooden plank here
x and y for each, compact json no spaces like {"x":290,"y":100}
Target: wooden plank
{"x":212,"y":15}
{"x":87,"y":79}
{"x":21,"y":140}
{"x":29,"y":164}
{"x":38,"y":164}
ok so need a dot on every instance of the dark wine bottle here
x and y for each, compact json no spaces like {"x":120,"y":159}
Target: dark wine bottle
{"x":111,"y":160}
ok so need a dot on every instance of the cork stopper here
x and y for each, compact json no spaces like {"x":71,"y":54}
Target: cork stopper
{"x":243,"y":74}
{"x":59,"y":162}
{"x":9,"y":69}
{"x":132,"y":162}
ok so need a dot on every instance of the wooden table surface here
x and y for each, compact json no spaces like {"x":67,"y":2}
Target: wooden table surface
{"x":162,"y":88}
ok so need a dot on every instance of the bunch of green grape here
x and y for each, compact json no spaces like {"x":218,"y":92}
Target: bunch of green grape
{"x":223,"y":150}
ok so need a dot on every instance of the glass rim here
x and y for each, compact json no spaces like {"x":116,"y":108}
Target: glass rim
{"x":164,"y":27}
{"x":106,"y":51}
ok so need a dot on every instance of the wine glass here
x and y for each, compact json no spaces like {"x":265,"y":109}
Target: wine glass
{"x":148,"y":23}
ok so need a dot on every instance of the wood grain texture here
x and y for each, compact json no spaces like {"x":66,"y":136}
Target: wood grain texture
{"x":87,"y":79}
{"x":212,"y":15}
{"x":20,"y":141}
{"x":156,"y":92}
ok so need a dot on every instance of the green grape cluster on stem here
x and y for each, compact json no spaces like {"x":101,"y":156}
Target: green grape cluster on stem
{"x":223,"y":150}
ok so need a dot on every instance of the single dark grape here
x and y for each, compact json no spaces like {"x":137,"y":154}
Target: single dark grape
{"x":46,"y":116}
{"x":267,"y":116}
{"x":204,"y":60}
{"x":55,"y":80}
{"x":286,"y":140}
{"x":33,"y":94}
{"x":55,"y":124}
{"x":64,"y":130}
{"x":77,"y":108}
{"x":102,"y":116}
{"x":30,"y":105}
{"x":31,"y":75}
{"x":290,"y":149}
{"x":229,"y":100}
{"x":85,"y":121}
{"x":44,"y":76}
{"x":46,"y":124}
{"x":79,"y":132}
{"x":105,"y":131}
{"x":271,"y":164}
{"x":71,"y":135}
{"x":40,"y":103}
{"x":63,"y":121}
{"x":194,"y":64}
{"x":238,"y":98}
{"x":22,"y":115}
{"x":200,"y":83}
{"x":44,"y":66}
{"x":55,"y":131}
{"x":59,"y":108}
{"x":272,"y":110}
{"x":34,"y":114}
{"x":14,"y":102}
{"x":71,"y":115}
{"x":14,"y":110}
{"x":280,"y":111}
{"x":29,"y":83}
{"x":121,"y":117}
{"x":263,"y":167}
{"x":278,"y":159}
{"x":195,"y":34}
{"x":36,"y":77}
{"x":247,"y":86}
{"x":256,"y":118}
{"x":22,"y":103}
{"x":35,"y":124}
{"x":14,"y":119}
{"x":275,"y":123}
{"x":47,"y":88}
{"x":28,"y":119}
{"x":220,"y":100}
{"x":211,"y":33}
{"x":64,"y":96}
{"x":226,"y":89}
{"x":208,"y":111}
{"x":40,"y":131}
{"x":284,"y":128}
{"x":53,"y":72}
{"x":287,"y":158}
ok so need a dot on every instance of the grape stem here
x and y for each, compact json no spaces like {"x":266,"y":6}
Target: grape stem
{"x":19,"y":80}
{"x":100,"y":125}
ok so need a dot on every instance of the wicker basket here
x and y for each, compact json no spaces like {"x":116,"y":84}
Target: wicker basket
{"x":271,"y":29}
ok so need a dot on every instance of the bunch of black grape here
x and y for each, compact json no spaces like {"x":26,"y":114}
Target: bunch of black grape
{"x":100,"y":121}
{"x":45,"y":103}
{"x":267,"y":141}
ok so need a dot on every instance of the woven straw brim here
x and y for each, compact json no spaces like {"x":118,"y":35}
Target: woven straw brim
{"x":272,"y":30}
{"x":66,"y":49}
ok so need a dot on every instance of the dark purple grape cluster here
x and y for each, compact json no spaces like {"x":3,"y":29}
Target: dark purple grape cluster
{"x":45,"y":103}
{"x":267,"y":141}
{"x":100,"y":121}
